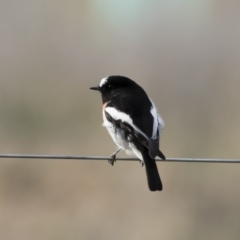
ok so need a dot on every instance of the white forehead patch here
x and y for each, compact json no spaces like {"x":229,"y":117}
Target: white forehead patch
{"x":103,"y":81}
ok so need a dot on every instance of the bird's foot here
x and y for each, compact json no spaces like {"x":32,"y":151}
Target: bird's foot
{"x":113,"y":157}
{"x":142,"y":163}
{"x":112,"y":160}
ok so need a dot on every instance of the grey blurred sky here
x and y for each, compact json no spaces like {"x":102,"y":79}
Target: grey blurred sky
{"x":186,"y":54}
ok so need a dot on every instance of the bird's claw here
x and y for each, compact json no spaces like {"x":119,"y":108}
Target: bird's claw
{"x":142,"y":163}
{"x":113,"y":159}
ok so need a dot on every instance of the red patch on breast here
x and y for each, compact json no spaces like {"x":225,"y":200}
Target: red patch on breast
{"x":103,"y":108}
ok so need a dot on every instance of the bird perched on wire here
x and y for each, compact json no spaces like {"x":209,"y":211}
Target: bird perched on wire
{"x":132,"y":121}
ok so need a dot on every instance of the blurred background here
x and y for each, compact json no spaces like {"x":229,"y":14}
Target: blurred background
{"x":186,"y":54}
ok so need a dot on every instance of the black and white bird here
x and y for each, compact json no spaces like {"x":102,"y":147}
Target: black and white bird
{"x":132,"y":121}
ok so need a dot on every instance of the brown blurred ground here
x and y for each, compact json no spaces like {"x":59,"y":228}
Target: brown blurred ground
{"x":186,"y":54}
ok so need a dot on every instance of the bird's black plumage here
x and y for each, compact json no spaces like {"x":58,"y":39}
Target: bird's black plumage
{"x":132,"y":120}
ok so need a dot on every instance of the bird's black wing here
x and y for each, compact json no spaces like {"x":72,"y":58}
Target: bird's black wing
{"x":131,"y":132}
{"x":139,"y":108}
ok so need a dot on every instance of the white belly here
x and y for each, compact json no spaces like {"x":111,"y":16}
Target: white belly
{"x":119,"y":138}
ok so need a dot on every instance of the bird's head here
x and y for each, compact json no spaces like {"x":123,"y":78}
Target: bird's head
{"x":112,"y":86}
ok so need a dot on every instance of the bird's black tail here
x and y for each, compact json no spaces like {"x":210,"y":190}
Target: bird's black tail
{"x":154,"y":181}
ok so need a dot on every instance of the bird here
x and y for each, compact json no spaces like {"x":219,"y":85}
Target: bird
{"x":133,"y":122}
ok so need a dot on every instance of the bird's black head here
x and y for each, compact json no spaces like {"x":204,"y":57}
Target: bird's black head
{"x":112,"y":86}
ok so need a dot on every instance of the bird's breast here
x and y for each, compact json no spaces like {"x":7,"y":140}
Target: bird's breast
{"x":103,"y":109}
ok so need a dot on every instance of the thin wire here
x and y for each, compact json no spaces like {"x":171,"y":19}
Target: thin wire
{"x":69,"y":157}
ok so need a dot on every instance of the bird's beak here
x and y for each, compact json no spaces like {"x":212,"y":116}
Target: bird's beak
{"x":95,"y":88}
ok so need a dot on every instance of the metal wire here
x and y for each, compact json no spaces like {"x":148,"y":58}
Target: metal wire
{"x":69,"y":157}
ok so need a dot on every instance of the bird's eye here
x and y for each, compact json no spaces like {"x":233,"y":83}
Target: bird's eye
{"x":109,"y":86}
